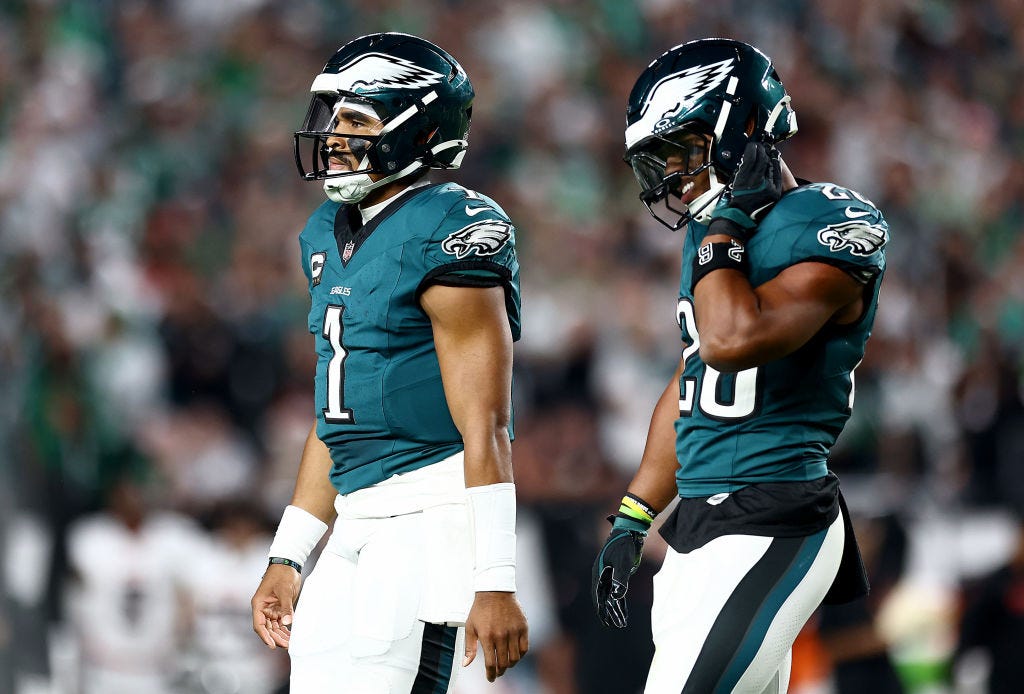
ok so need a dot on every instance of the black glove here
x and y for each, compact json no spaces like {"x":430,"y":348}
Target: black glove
{"x":617,"y":561}
{"x":755,"y":190}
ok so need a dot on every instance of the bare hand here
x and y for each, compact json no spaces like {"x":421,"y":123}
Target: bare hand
{"x":273,"y":604}
{"x":497,"y":622}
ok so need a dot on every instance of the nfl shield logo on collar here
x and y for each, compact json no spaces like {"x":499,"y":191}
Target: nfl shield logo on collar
{"x":347,"y":253}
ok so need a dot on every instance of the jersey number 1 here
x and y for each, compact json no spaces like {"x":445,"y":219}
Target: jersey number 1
{"x":336,"y":412}
{"x":713,"y":403}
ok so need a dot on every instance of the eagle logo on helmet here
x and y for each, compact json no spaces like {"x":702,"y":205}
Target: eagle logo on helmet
{"x":378,"y":71}
{"x":676,"y":94}
{"x":482,"y":238}
{"x":862,"y":239}
{"x":688,"y":86}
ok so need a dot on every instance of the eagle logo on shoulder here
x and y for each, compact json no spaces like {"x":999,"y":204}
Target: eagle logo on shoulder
{"x":861,"y":238}
{"x":483,"y":238}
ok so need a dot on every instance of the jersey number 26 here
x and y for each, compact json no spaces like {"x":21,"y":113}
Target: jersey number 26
{"x":706,"y":391}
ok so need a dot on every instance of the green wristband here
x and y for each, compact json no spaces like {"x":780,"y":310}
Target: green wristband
{"x":629,"y":523}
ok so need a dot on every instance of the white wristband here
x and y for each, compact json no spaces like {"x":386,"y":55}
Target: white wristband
{"x":297,"y":534}
{"x":493,"y":509}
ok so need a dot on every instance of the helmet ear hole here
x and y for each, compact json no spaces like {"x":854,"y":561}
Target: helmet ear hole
{"x":427,"y":135}
{"x":425,"y":139}
{"x":751,"y":123}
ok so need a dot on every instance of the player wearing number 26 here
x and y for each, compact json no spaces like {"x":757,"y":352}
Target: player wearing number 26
{"x":778,"y":292}
{"x":414,"y":292}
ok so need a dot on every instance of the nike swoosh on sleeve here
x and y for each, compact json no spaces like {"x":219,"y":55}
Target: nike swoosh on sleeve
{"x":473,"y":211}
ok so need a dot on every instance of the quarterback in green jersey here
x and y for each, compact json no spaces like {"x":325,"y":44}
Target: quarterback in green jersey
{"x":778,"y":292}
{"x":414,"y":292}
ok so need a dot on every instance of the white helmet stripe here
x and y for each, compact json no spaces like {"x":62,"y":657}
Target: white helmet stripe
{"x":723,"y":116}
{"x":407,"y":113}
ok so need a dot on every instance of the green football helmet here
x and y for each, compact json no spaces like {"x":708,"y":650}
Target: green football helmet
{"x":420,"y":93}
{"x":723,"y":90}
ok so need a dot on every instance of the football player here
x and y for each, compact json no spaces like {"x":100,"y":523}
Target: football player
{"x":778,"y":292}
{"x":126,"y":613}
{"x":415,"y":305}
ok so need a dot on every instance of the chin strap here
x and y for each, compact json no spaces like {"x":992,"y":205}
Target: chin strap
{"x":703,"y":205}
{"x":352,"y":188}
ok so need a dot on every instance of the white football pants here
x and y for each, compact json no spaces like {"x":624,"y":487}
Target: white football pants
{"x":725,"y":615}
{"x":384,"y":609}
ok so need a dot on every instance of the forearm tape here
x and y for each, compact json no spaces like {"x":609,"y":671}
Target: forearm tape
{"x":493,"y":510}
{"x":297,"y":534}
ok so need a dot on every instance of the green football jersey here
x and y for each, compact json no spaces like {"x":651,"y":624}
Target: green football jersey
{"x":777,"y":422}
{"x":380,"y":404}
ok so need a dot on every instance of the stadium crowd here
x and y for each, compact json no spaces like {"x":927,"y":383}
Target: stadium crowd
{"x":149,"y":427}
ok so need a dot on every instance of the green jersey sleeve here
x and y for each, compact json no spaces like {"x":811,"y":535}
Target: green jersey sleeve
{"x":823,"y":222}
{"x":473,"y":245}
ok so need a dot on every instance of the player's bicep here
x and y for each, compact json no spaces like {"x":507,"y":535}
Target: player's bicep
{"x":474,"y":349}
{"x":803,"y":298}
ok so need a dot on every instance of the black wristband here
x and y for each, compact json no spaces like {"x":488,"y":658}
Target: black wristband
{"x":729,"y":227}
{"x":287,"y":562}
{"x":716,"y":256}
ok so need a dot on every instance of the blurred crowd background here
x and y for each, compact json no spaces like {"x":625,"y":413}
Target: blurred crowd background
{"x":157,"y":374}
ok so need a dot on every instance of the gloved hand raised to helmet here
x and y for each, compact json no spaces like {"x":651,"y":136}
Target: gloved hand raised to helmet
{"x":755,"y":189}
